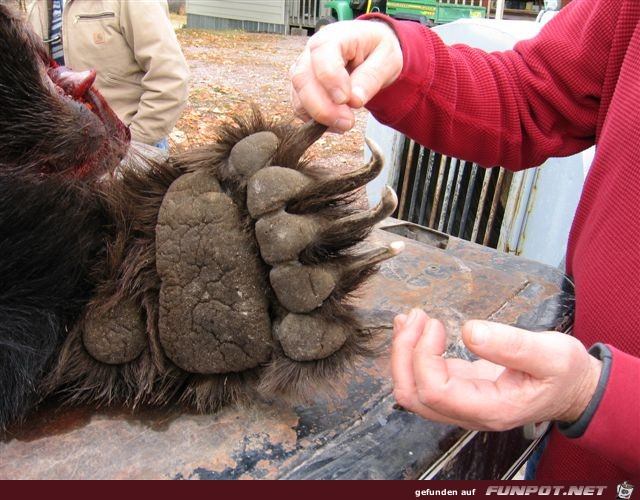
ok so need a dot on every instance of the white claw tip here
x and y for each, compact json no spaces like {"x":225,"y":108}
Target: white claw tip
{"x":396,"y":247}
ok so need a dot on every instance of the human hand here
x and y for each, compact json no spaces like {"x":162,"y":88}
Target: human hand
{"x":523,"y":377}
{"x":343,"y":66}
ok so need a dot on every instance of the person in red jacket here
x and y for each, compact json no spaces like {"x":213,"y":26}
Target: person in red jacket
{"x":574,"y":85}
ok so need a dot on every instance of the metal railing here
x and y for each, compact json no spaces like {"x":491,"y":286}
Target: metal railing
{"x":305,"y":13}
{"x":452,"y":196}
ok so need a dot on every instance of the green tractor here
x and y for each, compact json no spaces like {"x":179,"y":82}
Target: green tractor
{"x":427,"y":12}
{"x":346,"y":10}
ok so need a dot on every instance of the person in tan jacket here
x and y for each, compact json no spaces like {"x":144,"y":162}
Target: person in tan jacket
{"x":132,"y":45}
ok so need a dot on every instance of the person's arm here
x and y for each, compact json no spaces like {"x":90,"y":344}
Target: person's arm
{"x":514,"y":108}
{"x":148,"y":31}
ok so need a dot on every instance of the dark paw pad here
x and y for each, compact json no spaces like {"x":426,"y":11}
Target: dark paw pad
{"x":115,"y":336}
{"x":213,"y":308}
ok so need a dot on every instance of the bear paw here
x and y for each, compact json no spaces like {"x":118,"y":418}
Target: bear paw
{"x":230,"y":270}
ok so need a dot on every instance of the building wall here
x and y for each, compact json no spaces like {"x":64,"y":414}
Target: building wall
{"x":259,"y":12}
{"x":220,"y":23}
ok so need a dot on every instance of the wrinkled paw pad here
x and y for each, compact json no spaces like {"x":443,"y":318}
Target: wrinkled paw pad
{"x":115,"y":336}
{"x":213,"y":307}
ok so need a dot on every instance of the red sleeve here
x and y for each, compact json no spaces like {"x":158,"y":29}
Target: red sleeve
{"x":514,"y":108}
{"x":614,"y":430}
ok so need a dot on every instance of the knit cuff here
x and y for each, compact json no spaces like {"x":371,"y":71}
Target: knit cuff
{"x":404,"y":92}
{"x":578,"y":428}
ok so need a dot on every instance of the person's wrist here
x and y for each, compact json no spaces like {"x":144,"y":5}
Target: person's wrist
{"x":578,"y":427}
{"x":385,"y":26}
{"x":585,"y":392}
{"x":387,"y":40}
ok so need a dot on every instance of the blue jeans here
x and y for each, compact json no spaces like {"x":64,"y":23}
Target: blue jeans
{"x":534,"y":459}
{"x":162,"y":144}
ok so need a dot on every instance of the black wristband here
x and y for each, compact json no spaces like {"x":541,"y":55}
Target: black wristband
{"x":578,"y":428}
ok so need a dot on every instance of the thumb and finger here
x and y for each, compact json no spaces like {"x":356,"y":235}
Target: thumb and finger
{"x":457,"y":391}
{"x":503,"y":345}
{"x":569,"y":374}
{"x":538,"y":354}
{"x":423,"y":380}
{"x":311,"y":99}
{"x":342,"y":68}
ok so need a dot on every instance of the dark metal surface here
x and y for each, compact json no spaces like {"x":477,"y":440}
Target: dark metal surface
{"x":352,"y":434}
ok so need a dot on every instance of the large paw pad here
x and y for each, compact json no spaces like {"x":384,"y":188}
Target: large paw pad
{"x":213,"y":309}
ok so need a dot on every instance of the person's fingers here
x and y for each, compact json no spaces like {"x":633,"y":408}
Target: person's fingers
{"x":414,"y":406}
{"x":427,"y":355}
{"x":406,"y":333}
{"x":381,"y":67}
{"x":417,"y":350}
{"x":330,"y":52}
{"x":342,"y":67}
{"x":438,"y":387}
{"x":456,"y":391}
{"x":399,"y":322}
{"x":458,"y":414}
{"x":341,"y":70}
{"x":538,"y":354}
{"x":537,"y":369}
{"x":310,"y":98}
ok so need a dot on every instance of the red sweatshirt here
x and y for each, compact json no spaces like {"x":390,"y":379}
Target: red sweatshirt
{"x":574,"y":85}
